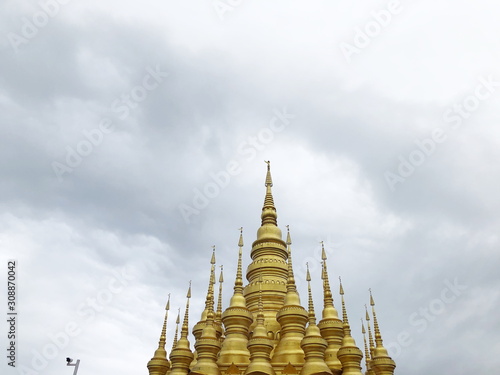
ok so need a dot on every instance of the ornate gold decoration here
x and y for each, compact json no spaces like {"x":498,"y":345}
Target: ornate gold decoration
{"x":263,"y":330}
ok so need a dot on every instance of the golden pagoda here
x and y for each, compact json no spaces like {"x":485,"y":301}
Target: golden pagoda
{"x":265,"y":330}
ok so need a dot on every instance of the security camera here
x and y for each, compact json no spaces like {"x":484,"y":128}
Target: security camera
{"x":69,"y":360}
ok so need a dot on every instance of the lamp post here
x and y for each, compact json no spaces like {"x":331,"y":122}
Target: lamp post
{"x":69,"y":360}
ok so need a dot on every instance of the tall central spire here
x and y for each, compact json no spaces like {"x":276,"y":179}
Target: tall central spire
{"x":269,"y":255}
{"x":269,"y":211}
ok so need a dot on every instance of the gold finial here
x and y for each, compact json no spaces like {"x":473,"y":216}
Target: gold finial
{"x":212,"y":260}
{"x":240,"y":242}
{"x":341,"y":288}
{"x":288,"y":238}
{"x":221,"y":276}
{"x":323,"y":253}
{"x":269,"y":180}
{"x":168,"y":303}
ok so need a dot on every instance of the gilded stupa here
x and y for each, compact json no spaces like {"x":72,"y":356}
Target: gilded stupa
{"x":265,"y":330}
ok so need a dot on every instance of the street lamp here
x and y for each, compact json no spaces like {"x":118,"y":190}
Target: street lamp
{"x":69,"y":360}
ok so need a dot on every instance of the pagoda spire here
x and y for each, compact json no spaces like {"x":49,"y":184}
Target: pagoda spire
{"x":331,"y":326}
{"x":381,"y":362}
{"x":208,"y":344}
{"x":177,"y":321}
{"x":292,"y":317}
{"x":182,"y":356}
{"x":198,"y":328}
{"x":237,"y":320}
{"x":349,"y":354}
{"x":218,"y":313}
{"x":159,"y":364}
{"x":260,"y":345}
{"x":368,"y":371}
{"x":370,"y":337}
{"x":313,"y":344}
{"x":269,"y":256}
{"x":269,"y":211}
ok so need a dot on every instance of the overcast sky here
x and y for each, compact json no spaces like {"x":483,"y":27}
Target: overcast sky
{"x":133,"y":136}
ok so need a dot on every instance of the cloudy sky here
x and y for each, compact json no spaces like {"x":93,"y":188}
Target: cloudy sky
{"x":133,"y":136}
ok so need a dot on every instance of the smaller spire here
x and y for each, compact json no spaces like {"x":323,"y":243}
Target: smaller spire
{"x":370,"y":337}
{"x":349,"y":354}
{"x":238,"y":282}
{"x":329,"y":310}
{"x":292,"y":297}
{"x":367,"y":351}
{"x":260,"y":329}
{"x":260,"y":346}
{"x":347,"y":328}
{"x":238,"y":299}
{"x":381,"y":361}
{"x":176,"y":335}
{"x":378,"y":336}
{"x":185,"y":322}
{"x":312,"y":315}
{"x":218,"y":314}
{"x":330,"y":325}
{"x":236,"y":319}
{"x":182,"y":355}
{"x":163,"y":336}
{"x":159,"y":364}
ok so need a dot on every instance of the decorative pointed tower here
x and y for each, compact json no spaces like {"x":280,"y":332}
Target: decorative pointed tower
{"x":176,"y":335}
{"x":198,"y":327}
{"x":237,"y":319}
{"x":313,"y":344}
{"x":159,"y":364}
{"x":368,"y":371}
{"x":349,"y":354}
{"x":293,"y":318}
{"x":182,"y":355}
{"x":331,"y":326}
{"x":269,"y":257}
{"x":208,"y":345}
{"x":370,"y":337}
{"x":260,"y":347}
{"x":218,"y":313}
{"x":381,"y":363}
